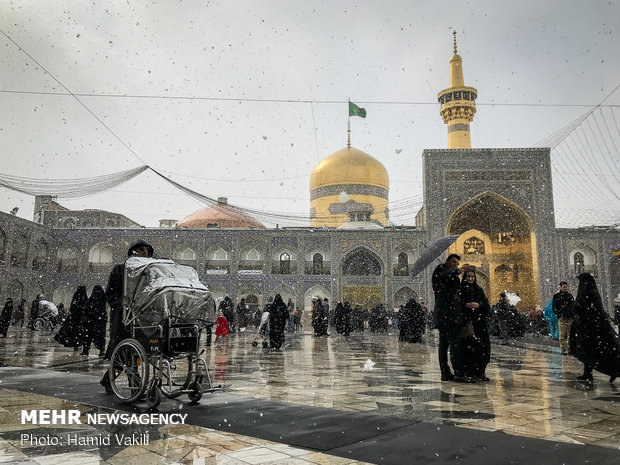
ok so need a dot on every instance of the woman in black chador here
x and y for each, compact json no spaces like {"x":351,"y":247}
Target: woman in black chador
{"x":71,"y":334}
{"x":94,"y":321}
{"x":278,"y":316}
{"x":595,"y":342}
{"x":5,"y":317}
{"x":411,"y":322}
{"x":346,"y":318}
{"x":338,"y":318}
{"x":476,"y":349}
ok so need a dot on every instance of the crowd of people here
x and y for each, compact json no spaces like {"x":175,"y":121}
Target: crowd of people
{"x":462,"y":314}
{"x":84,"y":325}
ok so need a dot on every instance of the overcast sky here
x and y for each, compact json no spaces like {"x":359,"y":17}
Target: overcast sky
{"x":526,"y":59}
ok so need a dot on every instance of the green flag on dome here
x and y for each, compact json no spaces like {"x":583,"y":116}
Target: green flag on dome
{"x":354,"y":110}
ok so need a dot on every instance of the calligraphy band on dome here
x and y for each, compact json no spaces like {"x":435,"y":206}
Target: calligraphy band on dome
{"x":350,"y":189}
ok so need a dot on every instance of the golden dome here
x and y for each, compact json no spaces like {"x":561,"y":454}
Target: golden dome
{"x":349,"y":166}
{"x":219,"y":215}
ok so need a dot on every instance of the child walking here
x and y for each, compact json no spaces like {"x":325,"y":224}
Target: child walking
{"x":222,"y":328}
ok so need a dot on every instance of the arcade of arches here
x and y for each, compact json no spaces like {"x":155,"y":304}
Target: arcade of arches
{"x":498,"y":238}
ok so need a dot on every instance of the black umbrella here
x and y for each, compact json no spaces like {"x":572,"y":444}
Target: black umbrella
{"x":430,"y":253}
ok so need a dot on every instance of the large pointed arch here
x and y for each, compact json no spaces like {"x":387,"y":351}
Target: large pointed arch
{"x":362,"y":261}
{"x":488,"y":201}
{"x":402,"y":296}
{"x":285,"y":291}
{"x":509,"y":238}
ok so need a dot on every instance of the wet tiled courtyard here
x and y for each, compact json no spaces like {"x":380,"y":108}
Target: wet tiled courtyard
{"x":533,"y":393}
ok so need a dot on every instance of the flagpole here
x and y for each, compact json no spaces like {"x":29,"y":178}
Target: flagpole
{"x":349,"y":128}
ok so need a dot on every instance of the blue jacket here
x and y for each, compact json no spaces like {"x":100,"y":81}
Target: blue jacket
{"x":548,"y":315}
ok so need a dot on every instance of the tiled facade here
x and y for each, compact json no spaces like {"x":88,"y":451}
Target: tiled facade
{"x":301,"y":262}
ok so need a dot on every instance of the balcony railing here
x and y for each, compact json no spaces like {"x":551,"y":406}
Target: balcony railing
{"x":309,"y":268}
{"x":401,"y":271}
{"x":251,"y":265}
{"x":217,"y":267}
{"x":283,"y":268}
{"x":68,"y":266}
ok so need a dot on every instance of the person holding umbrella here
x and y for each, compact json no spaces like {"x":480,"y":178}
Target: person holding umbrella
{"x":449,"y":317}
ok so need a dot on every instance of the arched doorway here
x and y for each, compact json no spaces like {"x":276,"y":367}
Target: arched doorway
{"x":614,"y":277}
{"x":362,"y":273}
{"x":498,"y":237}
{"x":403,"y":295}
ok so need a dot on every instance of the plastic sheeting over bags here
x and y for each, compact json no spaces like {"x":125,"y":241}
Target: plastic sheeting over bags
{"x":157,"y":289}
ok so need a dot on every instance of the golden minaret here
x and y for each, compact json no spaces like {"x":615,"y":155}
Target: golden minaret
{"x":458,"y":105}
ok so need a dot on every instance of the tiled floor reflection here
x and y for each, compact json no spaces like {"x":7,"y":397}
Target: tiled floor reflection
{"x":533,"y":392}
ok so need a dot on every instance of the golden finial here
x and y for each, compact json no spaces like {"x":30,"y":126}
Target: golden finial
{"x":349,"y":133}
{"x":454,"y":32}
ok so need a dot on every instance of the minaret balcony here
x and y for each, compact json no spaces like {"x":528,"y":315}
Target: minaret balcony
{"x":454,"y":112}
{"x":466,"y":95}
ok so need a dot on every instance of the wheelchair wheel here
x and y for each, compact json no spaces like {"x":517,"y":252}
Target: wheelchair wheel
{"x":38,"y":324}
{"x":196,"y":393}
{"x":129,"y":371}
{"x":153,"y":397}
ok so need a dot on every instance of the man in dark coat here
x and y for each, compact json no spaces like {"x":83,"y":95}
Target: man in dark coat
{"x":114,"y":296}
{"x":503,"y":313}
{"x":563,"y":308}
{"x":449,"y":317}
{"x":596,"y":343}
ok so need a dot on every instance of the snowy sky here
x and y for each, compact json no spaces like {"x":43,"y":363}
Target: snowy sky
{"x":226,"y":79}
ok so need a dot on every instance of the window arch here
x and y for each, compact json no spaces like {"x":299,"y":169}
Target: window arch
{"x":285,"y":263}
{"x":317,"y":263}
{"x":579,"y":263}
{"x":68,"y":258}
{"x":220,"y":254}
{"x":40,"y":256}
{"x":402,"y":264}
{"x":252,"y":255}
{"x":184,"y":255}
{"x":251,"y":261}
{"x":100,"y":257}
{"x":68,"y":223}
{"x":473,"y":245}
{"x":19,"y":250}
{"x":218,"y":260}
{"x":583,"y":259}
